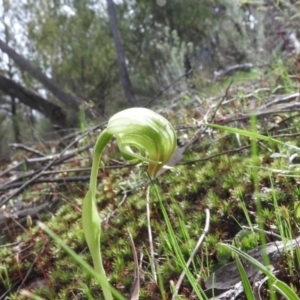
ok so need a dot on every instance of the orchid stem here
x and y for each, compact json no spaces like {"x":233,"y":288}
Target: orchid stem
{"x":101,"y":143}
{"x":90,"y":217}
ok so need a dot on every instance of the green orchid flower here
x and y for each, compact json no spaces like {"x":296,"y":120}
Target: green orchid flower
{"x":142,"y":136}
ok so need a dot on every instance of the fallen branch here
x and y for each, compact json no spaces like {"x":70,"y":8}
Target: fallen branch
{"x":231,"y":69}
{"x":23,"y":147}
{"x":59,"y":158}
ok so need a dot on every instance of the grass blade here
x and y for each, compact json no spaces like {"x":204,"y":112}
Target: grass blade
{"x":245,"y":280}
{"x":80,"y":261}
{"x":280,"y":286}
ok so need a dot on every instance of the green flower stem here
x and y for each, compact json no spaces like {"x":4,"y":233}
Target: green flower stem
{"x":90,"y":217}
{"x":101,"y":143}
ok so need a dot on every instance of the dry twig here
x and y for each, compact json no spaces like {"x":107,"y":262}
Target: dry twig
{"x":198,"y":245}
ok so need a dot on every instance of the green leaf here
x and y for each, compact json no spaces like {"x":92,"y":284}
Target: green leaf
{"x":245,"y":280}
{"x":297,"y":210}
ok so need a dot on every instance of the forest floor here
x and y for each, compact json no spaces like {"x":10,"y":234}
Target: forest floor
{"x":242,"y":182}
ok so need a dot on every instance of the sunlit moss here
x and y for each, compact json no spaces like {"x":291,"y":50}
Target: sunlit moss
{"x":212,"y":200}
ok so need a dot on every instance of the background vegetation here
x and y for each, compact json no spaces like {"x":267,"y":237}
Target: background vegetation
{"x":71,"y":43}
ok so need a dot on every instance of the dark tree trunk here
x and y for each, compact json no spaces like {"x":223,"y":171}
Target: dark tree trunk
{"x":34,"y":101}
{"x":14,"y":116}
{"x":128,"y":90}
{"x":69,"y":100}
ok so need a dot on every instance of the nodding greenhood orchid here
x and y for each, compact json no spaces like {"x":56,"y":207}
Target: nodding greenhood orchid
{"x":142,"y":135}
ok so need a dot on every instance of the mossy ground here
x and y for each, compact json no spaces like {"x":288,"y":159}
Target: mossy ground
{"x":227,"y":184}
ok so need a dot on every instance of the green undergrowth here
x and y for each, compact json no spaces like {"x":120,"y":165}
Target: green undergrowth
{"x":228,"y":185}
